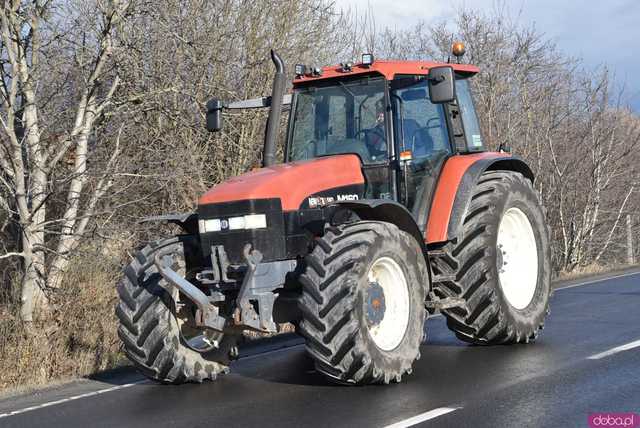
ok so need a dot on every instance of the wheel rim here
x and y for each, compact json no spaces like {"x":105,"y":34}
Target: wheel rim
{"x":517,"y":258}
{"x":387,"y":303}
{"x":198,"y":339}
{"x":203,"y":341}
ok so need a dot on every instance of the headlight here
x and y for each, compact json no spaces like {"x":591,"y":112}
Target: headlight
{"x":252,"y":221}
{"x":209,"y":225}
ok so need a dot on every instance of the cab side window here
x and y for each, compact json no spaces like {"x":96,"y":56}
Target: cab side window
{"x":469,"y":118}
{"x":421,"y":128}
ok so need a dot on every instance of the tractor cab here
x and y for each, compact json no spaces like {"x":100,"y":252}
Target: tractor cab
{"x":383,"y":112}
{"x":402,"y":119}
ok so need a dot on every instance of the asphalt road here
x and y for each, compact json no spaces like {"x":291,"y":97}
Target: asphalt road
{"x":587,"y":360}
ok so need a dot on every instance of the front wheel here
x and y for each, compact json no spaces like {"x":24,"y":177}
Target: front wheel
{"x":363,"y":303}
{"x":501,"y":264}
{"x":157,"y":325}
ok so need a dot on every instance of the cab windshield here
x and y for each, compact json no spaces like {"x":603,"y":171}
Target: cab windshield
{"x":346,"y":117}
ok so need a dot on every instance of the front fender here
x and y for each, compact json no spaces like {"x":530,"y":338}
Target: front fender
{"x":385,"y":210}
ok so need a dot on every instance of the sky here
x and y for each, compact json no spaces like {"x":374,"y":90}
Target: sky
{"x":600,"y":32}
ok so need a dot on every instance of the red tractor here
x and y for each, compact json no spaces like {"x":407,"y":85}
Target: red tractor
{"x":387,"y":207}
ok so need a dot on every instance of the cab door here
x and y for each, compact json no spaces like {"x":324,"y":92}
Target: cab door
{"x":422,"y":143}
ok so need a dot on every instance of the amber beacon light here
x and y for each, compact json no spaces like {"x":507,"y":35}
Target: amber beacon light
{"x":458,"y":50}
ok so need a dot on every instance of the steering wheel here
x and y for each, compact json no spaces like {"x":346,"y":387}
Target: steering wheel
{"x":374,"y":152}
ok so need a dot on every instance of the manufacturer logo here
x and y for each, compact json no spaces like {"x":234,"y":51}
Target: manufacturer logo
{"x":347,"y":197}
{"x":224,"y":224}
{"x":321,"y":201}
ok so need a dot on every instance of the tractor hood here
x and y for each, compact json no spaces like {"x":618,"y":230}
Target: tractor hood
{"x":291,"y":182}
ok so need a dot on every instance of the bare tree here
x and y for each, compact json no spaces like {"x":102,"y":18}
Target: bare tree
{"x":58,"y":81}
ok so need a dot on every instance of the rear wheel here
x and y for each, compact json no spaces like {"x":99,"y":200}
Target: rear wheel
{"x":363,"y":303}
{"x":501,"y":264}
{"x":157,"y":328}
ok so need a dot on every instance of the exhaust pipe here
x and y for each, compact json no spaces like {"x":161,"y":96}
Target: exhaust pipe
{"x":273,"y":123}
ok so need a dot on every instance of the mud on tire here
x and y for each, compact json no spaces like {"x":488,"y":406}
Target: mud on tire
{"x":335,"y":286}
{"x":148,"y":327}
{"x":473,"y":265}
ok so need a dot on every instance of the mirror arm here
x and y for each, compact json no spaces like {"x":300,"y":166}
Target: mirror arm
{"x":214,"y":115}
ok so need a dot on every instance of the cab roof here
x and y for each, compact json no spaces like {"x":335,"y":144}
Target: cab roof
{"x":388,"y":69}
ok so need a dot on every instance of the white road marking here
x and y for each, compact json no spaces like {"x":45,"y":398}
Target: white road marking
{"x":75,"y":397}
{"x":580,"y":284}
{"x":431,"y":414}
{"x":127,"y":385}
{"x":615,"y":350}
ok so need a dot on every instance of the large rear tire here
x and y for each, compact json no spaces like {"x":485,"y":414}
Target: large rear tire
{"x":363,"y":303}
{"x":152,"y":334}
{"x":501,"y":264}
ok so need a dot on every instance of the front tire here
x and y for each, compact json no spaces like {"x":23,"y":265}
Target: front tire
{"x":153,"y":337}
{"x":363,"y":303}
{"x":500,"y":266}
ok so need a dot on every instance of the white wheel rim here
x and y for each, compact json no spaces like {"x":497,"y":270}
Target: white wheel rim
{"x":387,"y":274}
{"x":517,"y":258}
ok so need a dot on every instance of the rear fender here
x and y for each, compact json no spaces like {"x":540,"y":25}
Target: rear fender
{"x":188,"y":222}
{"x":455,"y":188}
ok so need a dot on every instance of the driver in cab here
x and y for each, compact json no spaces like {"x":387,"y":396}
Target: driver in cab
{"x":376,"y":140}
{"x":375,"y":137}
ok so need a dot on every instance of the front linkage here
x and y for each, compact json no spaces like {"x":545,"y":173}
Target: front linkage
{"x":260,"y":281}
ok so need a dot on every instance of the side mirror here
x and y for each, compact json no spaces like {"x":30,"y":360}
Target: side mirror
{"x":442,"y":87}
{"x":214,"y":115}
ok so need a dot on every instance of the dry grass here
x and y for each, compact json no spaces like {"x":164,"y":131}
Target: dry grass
{"x":79,"y":340}
{"x":590,"y":269}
